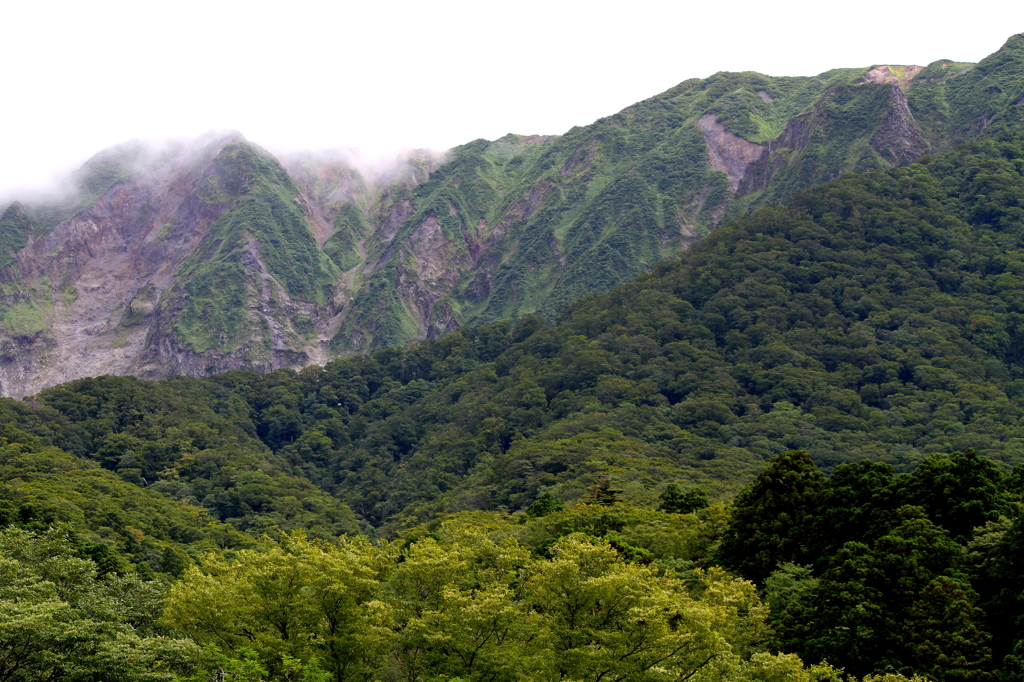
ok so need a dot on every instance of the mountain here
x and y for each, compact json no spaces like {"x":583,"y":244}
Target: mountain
{"x":215,"y":255}
{"x":874,"y":317}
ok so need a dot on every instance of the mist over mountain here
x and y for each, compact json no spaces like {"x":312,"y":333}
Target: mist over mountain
{"x":212,"y":255}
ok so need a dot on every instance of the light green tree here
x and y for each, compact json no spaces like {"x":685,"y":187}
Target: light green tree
{"x":59,"y":621}
{"x":302,"y":606}
{"x":458,"y":609}
{"x":611,"y":620}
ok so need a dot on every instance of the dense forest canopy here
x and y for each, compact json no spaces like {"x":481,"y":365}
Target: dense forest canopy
{"x":865,"y":571}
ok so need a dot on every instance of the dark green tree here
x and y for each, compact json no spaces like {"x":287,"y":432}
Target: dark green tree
{"x":960,"y":491}
{"x":544,"y":505}
{"x":674,"y":501}
{"x":851,"y":507}
{"x":863,"y":609}
{"x":602,"y":492}
{"x":771,"y":516}
{"x":943,"y":637}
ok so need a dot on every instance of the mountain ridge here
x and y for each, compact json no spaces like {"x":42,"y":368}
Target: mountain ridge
{"x":217,"y":257}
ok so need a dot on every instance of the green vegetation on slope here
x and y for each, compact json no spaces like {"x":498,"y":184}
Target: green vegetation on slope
{"x":874,"y":322}
{"x":190,"y":440}
{"x":956,"y":102}
{"x":350,"y":226}
{"x":530,"y":225}
{"x":873,"y":317}
{"x":15,"y":227}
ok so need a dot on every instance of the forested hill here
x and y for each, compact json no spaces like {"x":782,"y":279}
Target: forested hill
{"x":877,"y":316}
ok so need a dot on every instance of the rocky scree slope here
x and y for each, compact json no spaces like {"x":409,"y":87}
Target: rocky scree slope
{"x":216,"y":255}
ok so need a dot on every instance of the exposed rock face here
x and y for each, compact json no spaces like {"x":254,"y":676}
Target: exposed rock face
{"x":728,"y":153}
{"x":771,"y":161}
{"x":103,"y":270}
{"x":899,"y":138}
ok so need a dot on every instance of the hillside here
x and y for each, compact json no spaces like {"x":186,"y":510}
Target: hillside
{"x":214,"y":255}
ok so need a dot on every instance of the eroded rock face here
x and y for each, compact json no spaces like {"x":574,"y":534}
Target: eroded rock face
{"x":728,"y":153}
{"x":772,"y":160}
{"x":101,"y":272}
{"x":105,"y":290}
{"x":899,"y":138}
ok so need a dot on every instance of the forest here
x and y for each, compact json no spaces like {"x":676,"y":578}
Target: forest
{"x":795,"y":453}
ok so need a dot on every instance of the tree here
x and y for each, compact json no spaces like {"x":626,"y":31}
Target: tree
{"x":58,"y":620}
{"x":675,"y":501}
{"x":771,"y":516}
{"x":852,"y":506}
{"x":602,"y":492}
{"x":789,"y":592}
{"x":456,"y":609}
{"x":960,"y":491}
{"x":297,"y":603}
{"x":544,"y":505}
{"x":869,"y":592}
{"x":942,"y":636}
{"x":607,"y":619}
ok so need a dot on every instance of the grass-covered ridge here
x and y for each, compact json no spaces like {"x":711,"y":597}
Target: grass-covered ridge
{"x":529,"y":225}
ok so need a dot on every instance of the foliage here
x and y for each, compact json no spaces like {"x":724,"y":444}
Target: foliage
{"x":115,"y":522}
{"x":193,"y":441}
{"x":299,"y":605}
{"x":675,"y":501}
{"x":890,"y":588}
{"x":60,"y":620}
{"x":770,"y":516}
{"x":468,"y":603}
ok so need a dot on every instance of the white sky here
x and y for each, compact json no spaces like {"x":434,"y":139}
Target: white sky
{"x":80,"y":76}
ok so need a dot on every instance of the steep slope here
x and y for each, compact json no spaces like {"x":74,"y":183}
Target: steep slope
{"x":253,"y":289}
{"x":877,"y":316}
{"x":206,"y":258}
{"x":77,"y":291}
